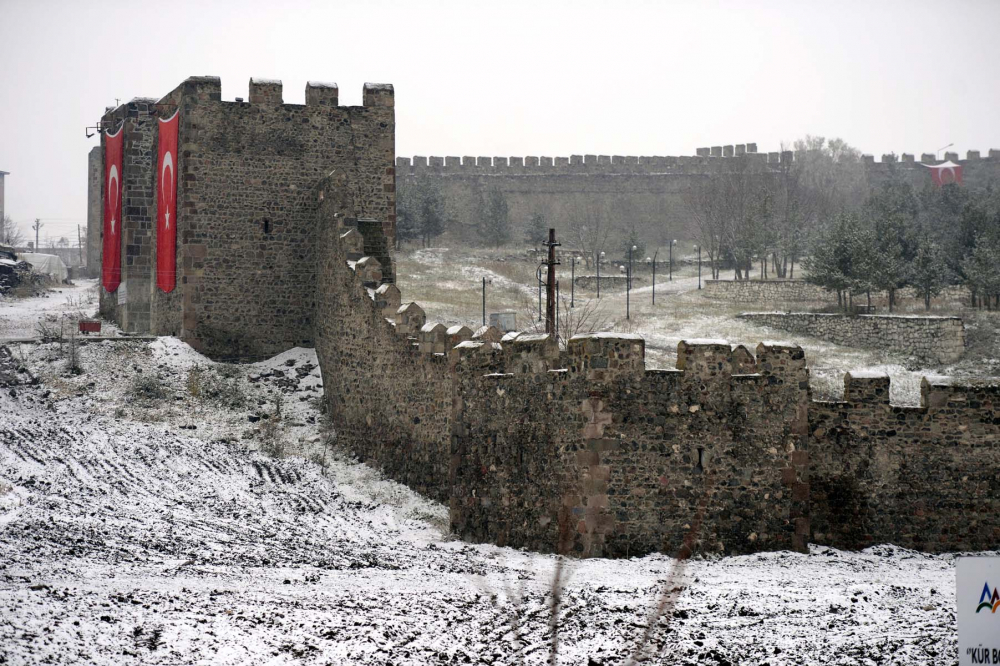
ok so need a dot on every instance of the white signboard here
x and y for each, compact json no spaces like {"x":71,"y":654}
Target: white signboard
{"x":978,"y":595}
{"x":122,"y":293}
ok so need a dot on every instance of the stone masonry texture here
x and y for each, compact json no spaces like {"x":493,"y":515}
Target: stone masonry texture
{"x":799,"y":291}
{"x":247,"y":209}
{"x":935,"y":339}
{"x":95,"y":162}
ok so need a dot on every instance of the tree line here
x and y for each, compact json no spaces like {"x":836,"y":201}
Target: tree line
{"x":853,"y":236}
{"x":757,"y":217}
{"x":900,"y":237}
{"x":422,"y":216}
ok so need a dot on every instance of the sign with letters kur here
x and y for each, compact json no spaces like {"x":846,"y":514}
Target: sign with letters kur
{"x":977,"y":581}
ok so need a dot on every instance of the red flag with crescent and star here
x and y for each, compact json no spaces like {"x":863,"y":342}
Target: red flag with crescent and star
{"x":111,"y":258}
{"x":945,"y":173}
{"x":166,"y":205}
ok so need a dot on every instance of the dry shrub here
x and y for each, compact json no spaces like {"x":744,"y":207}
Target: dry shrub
{"x":147,"y":388}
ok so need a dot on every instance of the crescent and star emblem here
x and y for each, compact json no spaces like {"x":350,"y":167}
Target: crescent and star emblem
{"x":113,"y":178}
{"x":947,"y":175}
{"x":168,"y":163}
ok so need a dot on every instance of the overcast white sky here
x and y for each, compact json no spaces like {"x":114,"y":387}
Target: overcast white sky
{"x":510,"y":78}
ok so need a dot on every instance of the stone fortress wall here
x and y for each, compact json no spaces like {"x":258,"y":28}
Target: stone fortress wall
{"x":779,"y":290}
{"x":934,"y":339}
{"x":246,"y":234}
{"x":644,"y":190}
{"x":584,"y":450}
{"x":766,"y":291}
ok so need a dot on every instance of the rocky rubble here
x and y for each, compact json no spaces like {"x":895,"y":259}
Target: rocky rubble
{"x":19,"y":276}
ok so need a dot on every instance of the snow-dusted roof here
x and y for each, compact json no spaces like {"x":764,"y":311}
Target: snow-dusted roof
{"x":868,"y":374}
{"x":532,"y":337}
{"x":779,"y":343}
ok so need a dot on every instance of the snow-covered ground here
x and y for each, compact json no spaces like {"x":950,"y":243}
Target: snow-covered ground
{"x":141,"y":522}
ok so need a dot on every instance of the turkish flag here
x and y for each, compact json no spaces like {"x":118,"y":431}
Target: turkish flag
{"x":946,"y":173}
{"x":166,"y":205}
{"x":111,"y":260}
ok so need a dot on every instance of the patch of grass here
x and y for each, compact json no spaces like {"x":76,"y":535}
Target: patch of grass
{"x":48,"y":328}
{"x":219,"y":385}
{"x":272,"y":441}
{"x":147,"y":388}
{"x":73,"y":366}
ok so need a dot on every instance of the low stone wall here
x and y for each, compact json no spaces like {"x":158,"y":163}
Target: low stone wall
{"x":800,"y":291}
{"x":609,"y":282}
{"x":935,"y":339}
{"x":766,"y":291}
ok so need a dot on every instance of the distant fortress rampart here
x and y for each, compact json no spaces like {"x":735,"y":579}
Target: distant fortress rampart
{"x":646,"y":191}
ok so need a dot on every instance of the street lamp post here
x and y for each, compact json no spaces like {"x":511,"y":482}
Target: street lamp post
{"x":538,"y":276}
{"x":654,"y":275}
{"x":572,"y":281}
{"x":600,"y":257}
{"x":698,"y":247}
{"x":628,"y":282}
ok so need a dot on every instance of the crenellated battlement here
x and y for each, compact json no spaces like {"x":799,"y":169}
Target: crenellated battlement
{"x":910,"y":159}
{"x":579,"y":164}
{"x":268,"y":93}
{"x":702,"y":159}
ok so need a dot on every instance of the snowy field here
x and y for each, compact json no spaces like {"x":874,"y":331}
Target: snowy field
{"x":145,"y":519}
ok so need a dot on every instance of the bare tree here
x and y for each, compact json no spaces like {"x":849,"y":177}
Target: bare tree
{"x":10,"y":233}
{"x":592,"y":230}
{"x":704,"y":203}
